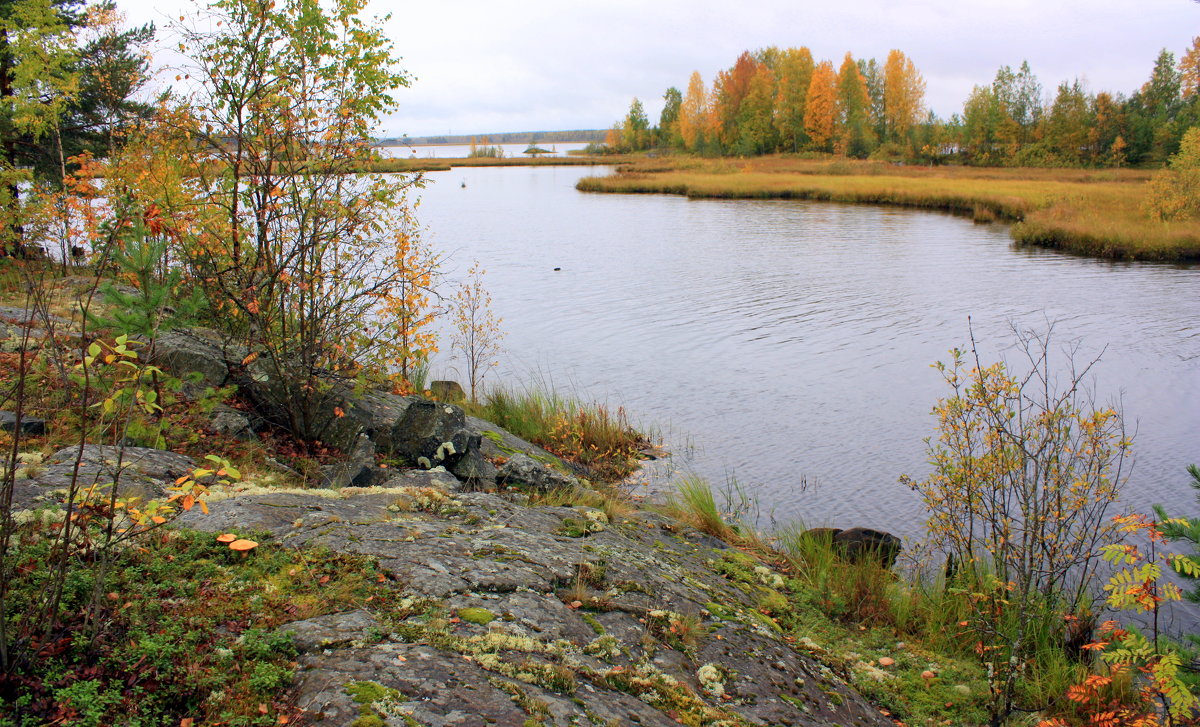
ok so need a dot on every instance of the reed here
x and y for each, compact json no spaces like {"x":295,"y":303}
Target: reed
{"x":1098,"y":213}
{"x":591,"y":434}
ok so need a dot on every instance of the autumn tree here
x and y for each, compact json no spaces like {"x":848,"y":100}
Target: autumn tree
{"x":756,"y":117}
{"x":1106,"y":140}
{"x":903,"y":95}
{"x":820,"y":106}
{"x":668,"y":120}
{"x":37,"y":80}
{"x":1189,"y":70}
{"x":476,"y":330}
{"x":729,"y":90}
{"x":1068,"y":125}
{"x":794,"y":76}
{"x":110,"y":67}
{"x":292,"y":251}
{"x":408,"y":312}
{"x":854,"y":135}
{"x":636,"y":127}
{"x":1025,"y":469}
{"x":1174,"y":193}
{"x":692,"y":112}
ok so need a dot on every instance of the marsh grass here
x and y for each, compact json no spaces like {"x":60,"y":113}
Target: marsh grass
{"x":591,"y":434}
{"x":694,"y":502}
{"x":1092,"y":212}
{"x":934,"y":615}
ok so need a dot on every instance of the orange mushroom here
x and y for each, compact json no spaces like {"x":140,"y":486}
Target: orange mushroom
{"x":243,"y":546}
{"x":886,"y":661}
{"x":226,"y":538}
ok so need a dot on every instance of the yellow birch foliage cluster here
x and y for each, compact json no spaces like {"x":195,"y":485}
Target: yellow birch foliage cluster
{"x":1174,"y":193}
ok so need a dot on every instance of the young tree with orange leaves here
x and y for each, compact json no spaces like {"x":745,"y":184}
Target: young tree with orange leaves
{"x":903,"y":95}
{"x":294,"y":251}
{"x":692,"y":112}
{"x":408,"y":313}
{"x":1189,"y":70}
{"x":820,"y":107}
{"x":476,"y":330}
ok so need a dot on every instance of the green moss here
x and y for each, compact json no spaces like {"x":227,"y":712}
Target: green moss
{"x":480,"y":616}
{"x":773,"y":602}
{"x":720,"y":612}
{"x":590,"y":620}
{"x":374,"y":700}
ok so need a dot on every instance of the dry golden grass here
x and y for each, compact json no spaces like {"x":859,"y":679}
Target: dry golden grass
{"x":1092,"y":212}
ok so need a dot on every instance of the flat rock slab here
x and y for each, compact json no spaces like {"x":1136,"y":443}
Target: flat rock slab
{"x":489,"y":631}
{"x":136,"y":471}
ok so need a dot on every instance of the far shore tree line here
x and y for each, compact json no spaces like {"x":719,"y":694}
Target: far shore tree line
{"x":775,"y":100}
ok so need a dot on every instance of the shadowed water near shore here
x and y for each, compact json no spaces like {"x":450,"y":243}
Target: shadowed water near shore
{"x":780,"y":340}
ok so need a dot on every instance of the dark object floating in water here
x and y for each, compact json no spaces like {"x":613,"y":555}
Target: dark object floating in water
{"x":464,"y":184}
{"x":558,"y":269}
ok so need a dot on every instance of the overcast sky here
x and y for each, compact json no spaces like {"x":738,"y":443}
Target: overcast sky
{"x":530,"y":65}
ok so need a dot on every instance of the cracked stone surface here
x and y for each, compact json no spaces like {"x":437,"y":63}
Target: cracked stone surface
{"x":493,"y":635}
{"x":138,"y":471}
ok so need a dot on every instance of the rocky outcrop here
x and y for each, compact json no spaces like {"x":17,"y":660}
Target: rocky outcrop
{"x":522,"y":471}
{"x":507,"y":613}
{"x":415,"y":431}
{"x":136,"y":471}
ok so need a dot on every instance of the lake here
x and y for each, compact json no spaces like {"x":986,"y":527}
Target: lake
{"x":788,"y":344}
{"x":460,"y":151}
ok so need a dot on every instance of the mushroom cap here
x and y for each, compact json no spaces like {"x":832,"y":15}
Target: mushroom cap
{"x":243,"y":545}
{"x":226,"y":538}
{"x":927,"y":675}
{"x":886,"y":661}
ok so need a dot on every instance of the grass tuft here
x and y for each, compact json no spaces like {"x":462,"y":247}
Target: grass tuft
{"x":592,"y":435}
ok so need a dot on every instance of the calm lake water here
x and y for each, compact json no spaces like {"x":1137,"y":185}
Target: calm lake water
{"x":459,"y":151}
{"x":784,"y":342}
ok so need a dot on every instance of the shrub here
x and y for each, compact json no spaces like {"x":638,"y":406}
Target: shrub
{"x":1025,"y":469}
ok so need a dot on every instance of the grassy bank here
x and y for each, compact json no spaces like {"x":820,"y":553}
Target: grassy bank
{"x":1091,"y":212}
{"x":415,"y":164}
{"x":592,"y":435}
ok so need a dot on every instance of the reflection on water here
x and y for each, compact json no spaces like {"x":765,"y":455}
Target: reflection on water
{"x":788,"y":340}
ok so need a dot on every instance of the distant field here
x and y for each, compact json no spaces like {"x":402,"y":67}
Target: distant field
{"x":1091,"y":212}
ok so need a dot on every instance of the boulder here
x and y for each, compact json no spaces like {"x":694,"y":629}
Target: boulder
{"x":524,"y":471}
{"x":506,"y":576}
{"x":863,"y":543}
{"x":193,"y":351}
{"x":476,"y":472}
{"x":357,"y":470}
{"x":858,"y":544}
{"x":233,"y":423}
{"x":29,"y":425}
